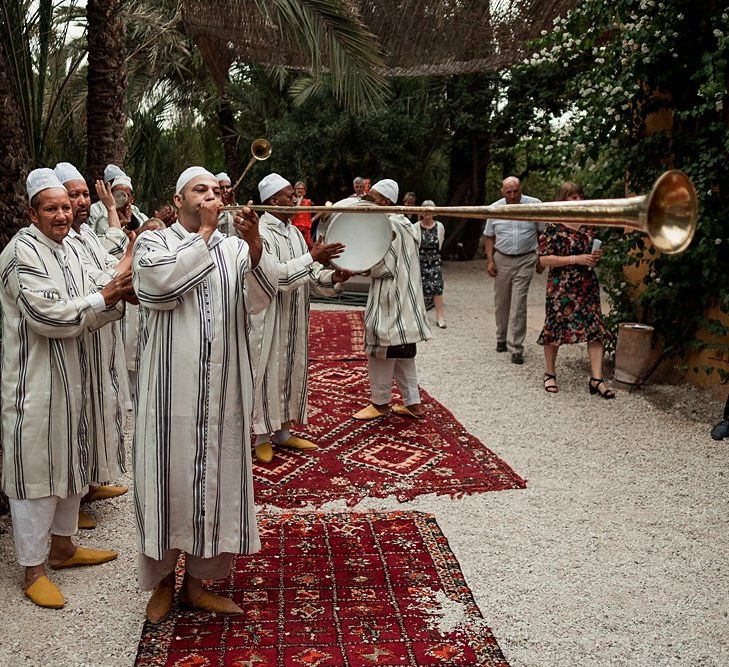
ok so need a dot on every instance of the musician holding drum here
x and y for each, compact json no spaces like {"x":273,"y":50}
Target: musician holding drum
{"x":395,"y":319}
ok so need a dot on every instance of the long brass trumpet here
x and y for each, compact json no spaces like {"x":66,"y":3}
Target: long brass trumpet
{"x":668,"y":214}
{"x":260,"y":150}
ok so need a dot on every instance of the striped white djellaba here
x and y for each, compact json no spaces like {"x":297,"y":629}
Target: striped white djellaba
{"x":45,"y":362}
{"x":279,"y":335}
{"x":395,"y":313}
{"x":107,"y":365}
{"x":193,"y":482}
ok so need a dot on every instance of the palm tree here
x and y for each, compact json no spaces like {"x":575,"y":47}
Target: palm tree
{"x":107,"y":85}
{"x":14,"y":159}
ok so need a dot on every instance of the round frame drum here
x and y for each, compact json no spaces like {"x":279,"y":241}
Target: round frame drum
{"x":367,"y":237}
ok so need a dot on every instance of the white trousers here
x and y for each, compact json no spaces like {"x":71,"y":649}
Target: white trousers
{"x":35,"y":519}
{"x":382,"y":371}
{"x":151,"y":571}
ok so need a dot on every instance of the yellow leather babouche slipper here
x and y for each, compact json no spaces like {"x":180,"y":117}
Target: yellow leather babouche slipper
{"x":216,"y":604}
{"x":404,"y":412}
{"x":369,"y":413}
{"x":85,"y":521}
{"x":45,"y":593}
{"x":104,"y":493}
{"x":298,"y":443}
{"x":160,"y":604}
{"x":264,"y":452}
{"x":83,"y":556}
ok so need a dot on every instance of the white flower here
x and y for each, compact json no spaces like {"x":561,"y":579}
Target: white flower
{"x":717,"y":241}
{"x":718,"y":33}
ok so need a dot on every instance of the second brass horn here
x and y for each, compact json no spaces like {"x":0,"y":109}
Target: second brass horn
{"x":260,"y":150}
{"x":668,"y":213}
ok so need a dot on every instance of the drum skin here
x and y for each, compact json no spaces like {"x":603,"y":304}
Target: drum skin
{"x":366,"y":236}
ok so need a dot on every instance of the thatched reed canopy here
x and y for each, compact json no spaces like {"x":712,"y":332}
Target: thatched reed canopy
{"x":417,"y":37}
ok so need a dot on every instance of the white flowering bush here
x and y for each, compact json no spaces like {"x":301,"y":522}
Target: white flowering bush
{"x":605,"y":79}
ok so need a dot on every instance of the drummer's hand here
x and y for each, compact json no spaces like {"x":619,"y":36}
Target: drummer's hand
{"x":246,"y":225}
{"x":325,"y":252}
{"x":341,"y":276}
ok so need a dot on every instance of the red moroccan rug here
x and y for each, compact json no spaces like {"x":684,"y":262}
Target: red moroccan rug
{"x":394,"y":455}
{"x":336,"y":334}
{"x":329,"y":590}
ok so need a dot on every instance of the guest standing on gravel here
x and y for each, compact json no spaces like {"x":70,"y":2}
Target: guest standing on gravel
{"x":511,"y":254}
{"x":573,"y":312}
{"x":193,"y":480}
{"x":432,"y":233}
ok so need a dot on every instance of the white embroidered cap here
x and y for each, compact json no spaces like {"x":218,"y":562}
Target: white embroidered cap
{"x":66,"y":172}
{"x":41,"y":179}
{"x":270,"y":185}
{"x":190,"y":173}
{"x":387,"y":188}
{"x":123,"y":179}
{"x":222,"y":176}
{"x":111,"y":172}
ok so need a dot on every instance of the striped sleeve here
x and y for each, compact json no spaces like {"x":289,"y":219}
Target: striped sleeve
{"x":161,"y":276}
{"x":261,"y":283}
{"x":48,"y":312}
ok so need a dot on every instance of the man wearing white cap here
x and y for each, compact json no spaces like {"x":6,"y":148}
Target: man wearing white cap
{"x":279,"y":334}
{"x":107,"y":364}
{"x":193,"y":483}
{"x":48,"y":305}
{"x":129,"y":214}
{"x":227,"y":195}
{"x":395,"y":318}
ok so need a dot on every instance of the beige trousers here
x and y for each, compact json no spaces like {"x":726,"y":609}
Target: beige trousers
{"x":511,"y":287}
{"x":382,"y":371}
{"x":151,"y":571}
{"x":36,"y":519}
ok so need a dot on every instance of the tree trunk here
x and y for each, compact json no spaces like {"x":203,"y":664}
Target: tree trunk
{"x":14,"y":159}
{"x":469,"y":157}
{"x":229,"y":137}
{"x":107,"y":86}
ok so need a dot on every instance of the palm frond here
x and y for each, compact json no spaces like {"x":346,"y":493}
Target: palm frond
{"x":335,"y":39}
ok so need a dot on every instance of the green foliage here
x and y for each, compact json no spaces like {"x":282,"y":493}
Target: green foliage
{"x":43,"y":66}
{"x":617,"y":64}
{"x":327,"y":147}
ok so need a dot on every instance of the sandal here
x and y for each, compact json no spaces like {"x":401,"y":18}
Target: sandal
{"x":595,"y":388}
{"x":552,"y":388}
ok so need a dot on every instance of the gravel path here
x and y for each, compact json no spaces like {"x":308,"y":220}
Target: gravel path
{"x":615,"y":554}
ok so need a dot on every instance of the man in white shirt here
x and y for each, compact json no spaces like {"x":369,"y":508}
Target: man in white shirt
{"x":511,"y":254}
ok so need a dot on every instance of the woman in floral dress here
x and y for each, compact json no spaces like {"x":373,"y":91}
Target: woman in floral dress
{"x":573,"y":312}
{"x":432,"y":233}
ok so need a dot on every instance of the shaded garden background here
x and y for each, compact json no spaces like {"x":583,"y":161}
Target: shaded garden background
{"x":610,"y":94}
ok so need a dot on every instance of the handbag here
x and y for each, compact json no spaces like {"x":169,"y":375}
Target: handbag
{"x":406,"y":351}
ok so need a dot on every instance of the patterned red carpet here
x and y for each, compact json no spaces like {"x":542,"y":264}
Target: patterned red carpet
{"x":336,"y":334}
{"x":394,"y":455}
{"x":333,"y":590}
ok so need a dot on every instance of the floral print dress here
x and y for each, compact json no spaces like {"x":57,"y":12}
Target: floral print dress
{"x":430,"y":266}
{"x":573,"y":312}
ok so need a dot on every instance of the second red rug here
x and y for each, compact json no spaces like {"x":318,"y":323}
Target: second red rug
{"x":335,"y":590}
{"x":394,"y":455}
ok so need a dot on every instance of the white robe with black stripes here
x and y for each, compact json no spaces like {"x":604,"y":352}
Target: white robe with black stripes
{"x":193,"y":480}
{"x":45,"y":361}
{"x":108,"y":373}
{"x":279,"y":335}
{"x":395,"y":313}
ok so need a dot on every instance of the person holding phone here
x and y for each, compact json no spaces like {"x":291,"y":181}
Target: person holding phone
{"x":573,"y":311}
